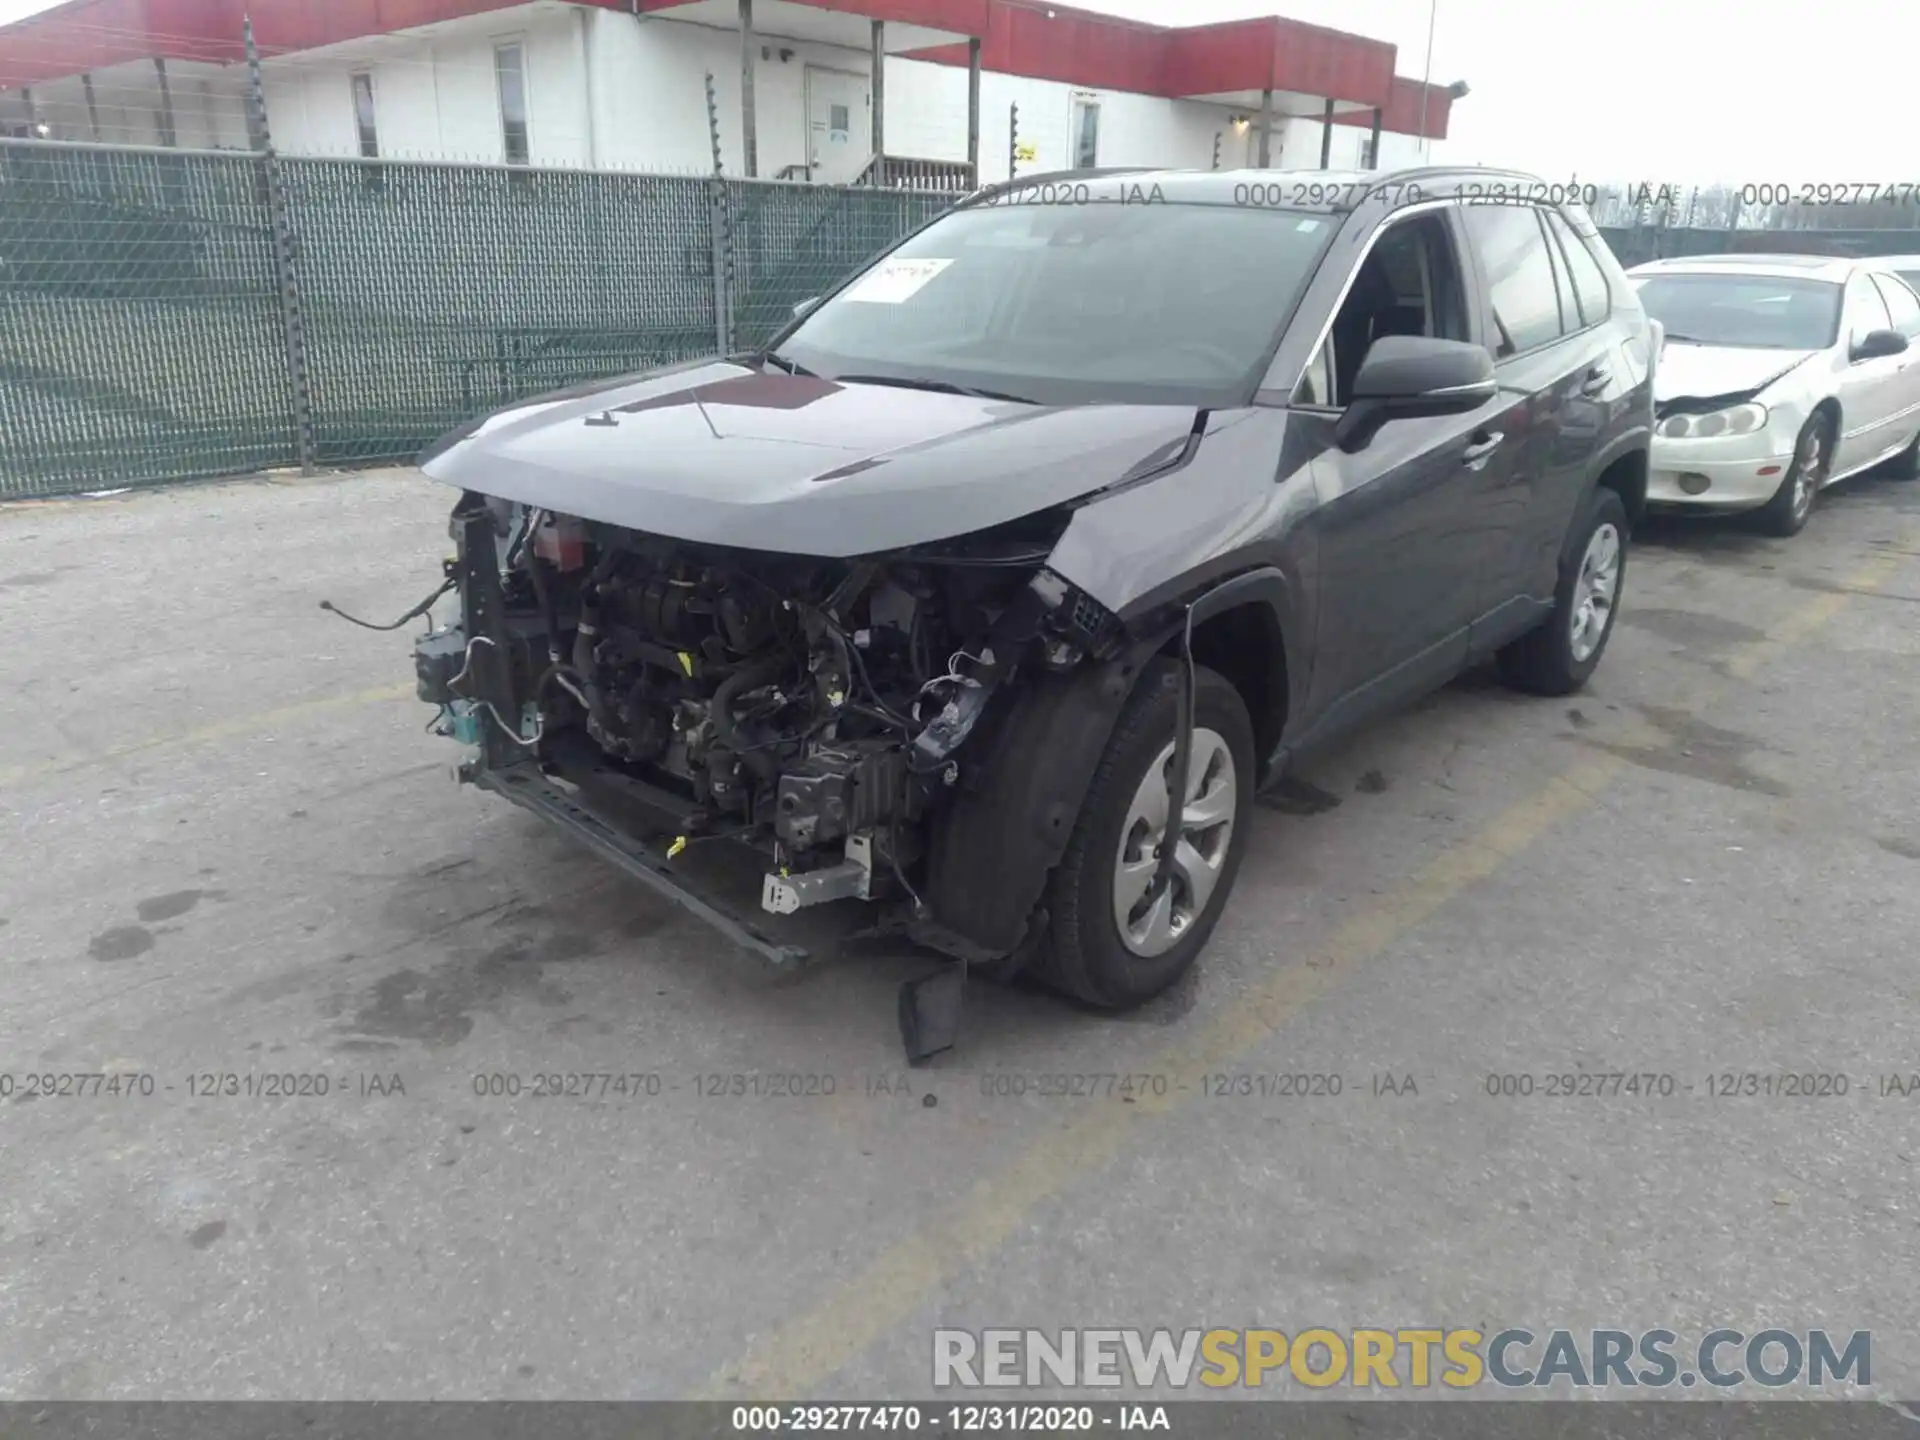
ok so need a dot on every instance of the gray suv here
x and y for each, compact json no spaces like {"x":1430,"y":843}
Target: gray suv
{"x":992,"y":590}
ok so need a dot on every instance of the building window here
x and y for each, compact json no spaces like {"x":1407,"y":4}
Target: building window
{"x":1086,"y":134}
{"x":510,"y":73}
{"x":363,"y":116}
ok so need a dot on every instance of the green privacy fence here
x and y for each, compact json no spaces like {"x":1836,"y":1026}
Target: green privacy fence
{"x":169,"y":315}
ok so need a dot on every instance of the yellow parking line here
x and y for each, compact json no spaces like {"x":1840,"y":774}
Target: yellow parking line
{"x":806,"y":1350}
{"x":227,"y":729}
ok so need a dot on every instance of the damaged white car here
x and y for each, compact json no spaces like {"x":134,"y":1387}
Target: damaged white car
{"x":1781,"y":375}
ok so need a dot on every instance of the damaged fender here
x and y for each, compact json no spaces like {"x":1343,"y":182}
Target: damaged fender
{"x":1009,"y":826}
{"x":992,"y":856}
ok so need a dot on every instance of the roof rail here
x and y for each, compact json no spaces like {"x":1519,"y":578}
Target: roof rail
{"x":1414,"y":172}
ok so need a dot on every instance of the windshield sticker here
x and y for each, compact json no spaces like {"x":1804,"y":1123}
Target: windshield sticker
{"x":1308,"y":225}
{"x":894,"y":281}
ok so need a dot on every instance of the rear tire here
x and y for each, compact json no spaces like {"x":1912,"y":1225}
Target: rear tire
{"x":1557,"y":656}
{"x":1785,"y":515}
{"x":1091,"y":956}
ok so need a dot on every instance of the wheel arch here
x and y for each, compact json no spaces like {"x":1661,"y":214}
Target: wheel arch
{"x":1829,"y":406}
{"x":1245,"y":641}
{"x":991,"y":852}
{"x":1622,"y":468}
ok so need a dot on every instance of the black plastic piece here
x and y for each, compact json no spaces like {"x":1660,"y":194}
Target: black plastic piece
{"x":490,"y":678}
{"x":948,"y":730}
{"x":930,"y":1010}
{"x":1223,"y":596}
{"x":437,"y":659}
{"x":831,"y":795}
{"x":1182,"y":760}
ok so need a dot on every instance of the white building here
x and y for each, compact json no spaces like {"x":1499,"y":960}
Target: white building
{"x":800,"y":89}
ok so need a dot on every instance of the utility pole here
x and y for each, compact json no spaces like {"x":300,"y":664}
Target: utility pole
{"x":1426,"y":78}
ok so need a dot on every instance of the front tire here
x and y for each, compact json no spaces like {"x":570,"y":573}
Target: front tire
{"x":1785,"y":515}
{"x":1115,"y":945}
{"x":1557,"y":656}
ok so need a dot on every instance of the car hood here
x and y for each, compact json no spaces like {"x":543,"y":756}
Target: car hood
{"x":763,"y":460}
{"x":1706,"y":371}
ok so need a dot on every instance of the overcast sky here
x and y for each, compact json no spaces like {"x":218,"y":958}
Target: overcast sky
{"x":1620,"y":90}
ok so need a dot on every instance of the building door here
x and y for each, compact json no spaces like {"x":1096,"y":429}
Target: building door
{"x":839,"y":124}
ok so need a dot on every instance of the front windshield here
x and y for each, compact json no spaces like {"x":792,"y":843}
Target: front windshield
{"x":1912,"y":277}
{"x":1761,"y":312}
{"x":1144,"y":302}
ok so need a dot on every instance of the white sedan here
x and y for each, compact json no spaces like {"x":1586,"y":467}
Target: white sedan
{"x":1780,"y":375}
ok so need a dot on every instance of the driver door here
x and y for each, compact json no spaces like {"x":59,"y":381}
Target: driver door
{"x":1870,"y":390}
{"x":1407,"y":525}
{"x":1904,"y":307}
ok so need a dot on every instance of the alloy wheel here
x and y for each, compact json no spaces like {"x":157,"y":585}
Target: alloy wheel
{"x":1151,"y":922}
{"x":1594,"y":591}
{"x":1806,"y":473}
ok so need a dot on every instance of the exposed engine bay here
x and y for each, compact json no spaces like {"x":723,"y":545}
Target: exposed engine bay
{"x":818,"y":710}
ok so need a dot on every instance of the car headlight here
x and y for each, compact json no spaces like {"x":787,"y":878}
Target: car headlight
{"x":1736,"y":420}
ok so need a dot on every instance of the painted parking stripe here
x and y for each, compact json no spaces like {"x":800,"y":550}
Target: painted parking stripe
{"x":810,"y":1347}
{"x":229,"y":729}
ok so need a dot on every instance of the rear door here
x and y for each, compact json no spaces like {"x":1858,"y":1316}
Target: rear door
{"x":1555,"y":366}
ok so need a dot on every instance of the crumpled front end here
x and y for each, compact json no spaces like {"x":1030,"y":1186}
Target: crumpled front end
{"x":649,"y":694}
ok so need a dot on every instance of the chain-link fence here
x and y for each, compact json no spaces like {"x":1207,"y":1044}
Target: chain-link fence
{"x":788,"y":243}
{"x":1637,"y":244}
{"x":170,"y":315}
{"x":1653,"y":222}
{"x":140,"y":323}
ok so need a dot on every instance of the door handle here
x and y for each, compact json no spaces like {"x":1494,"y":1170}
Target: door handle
{"x":1596,"y":381}
{"x":1481,"y":447}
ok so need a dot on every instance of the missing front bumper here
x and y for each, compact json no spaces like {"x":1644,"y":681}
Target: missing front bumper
{"x":575,"y":817}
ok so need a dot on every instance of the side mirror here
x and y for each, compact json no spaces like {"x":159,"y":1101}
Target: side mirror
{"x":1878,"y":344}
{"x":805,"y":305}
{"x":1413,"y":375}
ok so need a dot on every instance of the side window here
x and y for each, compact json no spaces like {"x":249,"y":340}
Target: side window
{"x":1520,"y":276}
{"x":1086,"y":133}
{"x":1409,"y":283}
{"x":361,"y":85}
{"x":510,"y":79}
{"x":1589,"y":280}
{"x":1317,"y":387}
{"x":1901,"y":305}
{"x":1562,"y":285}
{"x":1865,"y":309}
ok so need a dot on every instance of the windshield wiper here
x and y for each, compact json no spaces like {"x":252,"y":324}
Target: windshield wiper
{"x":945,"y":387}
{"x":1688,"y":339}
{"x":790,"y":366}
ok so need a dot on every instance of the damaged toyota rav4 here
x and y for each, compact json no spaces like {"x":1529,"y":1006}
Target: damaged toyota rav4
{"x":993,"y":589}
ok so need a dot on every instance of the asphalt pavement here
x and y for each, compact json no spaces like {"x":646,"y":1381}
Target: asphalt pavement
{"x":232,"y":863}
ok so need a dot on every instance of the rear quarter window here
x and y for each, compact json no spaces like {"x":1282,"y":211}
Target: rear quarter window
{"x":1589,"y":280}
